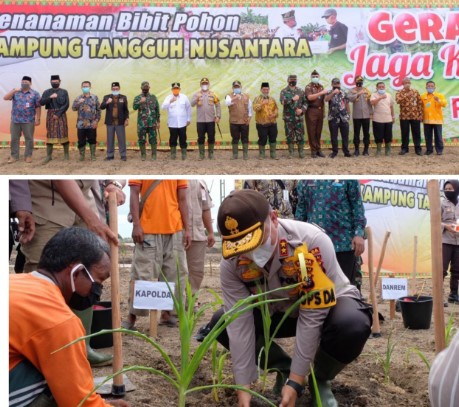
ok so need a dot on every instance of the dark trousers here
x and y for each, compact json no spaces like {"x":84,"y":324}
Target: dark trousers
{"x":203,"y":128}
{"x":382,"y":132}
{"x":314,"y":124}
{"x":345,"y":330}
{"x":347,"y":262}
{"x":266,"y":133}
{"x":120,"y":132}
{"x":437,"y":130}
{"x":86,"y":136}
{"x":177,"y":133}
{"x":363,"y":124}
{"x":343,"y":128}
{"x":415,"y":126}
{"x":239,"y":132}
{"x":451,"y":261}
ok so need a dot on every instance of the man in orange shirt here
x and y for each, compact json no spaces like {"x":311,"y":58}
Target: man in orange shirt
{"x":433,"y":103}
{"x":161,"y":233}
{"x":41,"y":321}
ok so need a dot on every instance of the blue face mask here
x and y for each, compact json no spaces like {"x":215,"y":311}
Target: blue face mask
{"x":430,"y":90}
{"x":237,"y":91}
{"x":115,"y":92}
{"x":85,"y":89}
{"x":381,"y":91}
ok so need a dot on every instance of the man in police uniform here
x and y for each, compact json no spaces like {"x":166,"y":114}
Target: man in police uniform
{"x":331,"y":325}
{"x":295,"y":105}
{"x":208,"y":112}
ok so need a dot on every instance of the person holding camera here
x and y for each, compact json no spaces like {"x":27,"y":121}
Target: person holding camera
{"x":266,"y":113}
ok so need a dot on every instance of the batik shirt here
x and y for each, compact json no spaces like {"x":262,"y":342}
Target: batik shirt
{"x":24,"y":105}
{"x":411,"y":106}
{"x":338,"y":107}
{"x":88,"y":111}
{"x":336,"y":206}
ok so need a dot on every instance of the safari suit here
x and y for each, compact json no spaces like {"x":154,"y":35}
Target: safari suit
{"x":239,"y":277}
{"x":314,"y":116}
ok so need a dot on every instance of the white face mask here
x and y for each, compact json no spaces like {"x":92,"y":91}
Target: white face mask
{"x":204,"y":87}
{"x":261,"y":255}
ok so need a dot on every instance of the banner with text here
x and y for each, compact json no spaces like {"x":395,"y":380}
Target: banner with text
{"x":162,"y":45}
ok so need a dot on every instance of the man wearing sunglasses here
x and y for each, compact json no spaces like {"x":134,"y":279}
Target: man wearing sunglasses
{"x":41,"y":322}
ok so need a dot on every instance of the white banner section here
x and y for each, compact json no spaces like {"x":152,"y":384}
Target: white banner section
{"x":153,"y":295}
{"x":394,"y":288}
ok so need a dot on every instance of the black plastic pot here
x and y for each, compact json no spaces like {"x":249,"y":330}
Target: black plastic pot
{"x":102,"y":319}
{"x":416,"y":311}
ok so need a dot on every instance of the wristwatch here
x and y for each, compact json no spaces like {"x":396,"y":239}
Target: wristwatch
{"x":296,"y":386}
{"x":116,"y":183}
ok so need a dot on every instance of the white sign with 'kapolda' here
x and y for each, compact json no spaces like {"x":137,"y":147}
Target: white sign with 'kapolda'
{"x":394,"y":288}
{"x":153,"y":295}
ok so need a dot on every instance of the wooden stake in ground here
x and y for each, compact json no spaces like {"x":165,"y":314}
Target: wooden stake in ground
{"x":415,"y":262}
{"x":375,"y":329}
{"x":118,"y":387}
{"x":381,"y":257}
{"x":153,"y":323}
{"x":391,"y":303}
{"x":433,"y":190}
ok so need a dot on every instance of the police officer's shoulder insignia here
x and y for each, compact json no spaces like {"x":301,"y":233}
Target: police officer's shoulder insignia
{"x":283,"y":248}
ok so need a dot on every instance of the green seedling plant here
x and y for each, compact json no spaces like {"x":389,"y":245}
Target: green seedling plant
{"x":450,"y":329}
{"x":182,"y":374}
{"x":386,"y":359}
{"x":218,"y":363}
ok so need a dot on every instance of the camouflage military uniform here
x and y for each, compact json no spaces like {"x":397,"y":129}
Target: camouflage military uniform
{"x":279,"y":193}
{"x":148,"y":117}
{"x":294,"y":124}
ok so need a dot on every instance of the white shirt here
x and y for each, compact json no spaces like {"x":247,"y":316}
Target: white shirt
{"x":229,"y":102}
{"x":286,"y":32}
{"x":179,"y":111}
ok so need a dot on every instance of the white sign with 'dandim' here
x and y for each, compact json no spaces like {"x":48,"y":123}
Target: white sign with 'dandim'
{"x":394,"y":288}
{"x":153,"y":295}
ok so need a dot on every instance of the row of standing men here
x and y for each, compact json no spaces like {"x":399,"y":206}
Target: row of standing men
{"x":299,"y":107}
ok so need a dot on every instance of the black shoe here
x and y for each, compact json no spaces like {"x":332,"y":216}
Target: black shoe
{"x":403,"y":152}
{"x":440,"y":153}
{"x":313,"y":155}
{"x":365,"y":152}
{"x":453,"y":299}
{"x":202,"y":333}
{"x":356,"y":153}
{"x":419,"y":152}
{"x":108,"y":158}
{"x":348,"y":154}
{"x":429,"y":152}
{"x":320,"y":154}
{"x":123,"y":158}
{"x":333,"y":155}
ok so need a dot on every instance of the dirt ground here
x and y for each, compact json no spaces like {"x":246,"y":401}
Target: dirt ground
{"x":361,"y":384}
{"x":409,"y":164}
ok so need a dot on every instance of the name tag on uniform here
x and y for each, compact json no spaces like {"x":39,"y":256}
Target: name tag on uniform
{"x":286,"y":197}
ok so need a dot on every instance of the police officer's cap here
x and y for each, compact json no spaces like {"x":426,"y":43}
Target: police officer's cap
{"x":175,"y":85}
{"x":236,"y":83}
{"x":204,"y":80}
{"x":241,"y":218}
{"x":289,"y":15}
{"x":329,"y":12}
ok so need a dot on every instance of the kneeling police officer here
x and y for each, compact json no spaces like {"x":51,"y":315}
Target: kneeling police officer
{"x":331,"y":325}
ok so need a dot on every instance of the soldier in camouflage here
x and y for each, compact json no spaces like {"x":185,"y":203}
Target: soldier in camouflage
{"x":295,"y":104}
{"x":147,"y":120}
